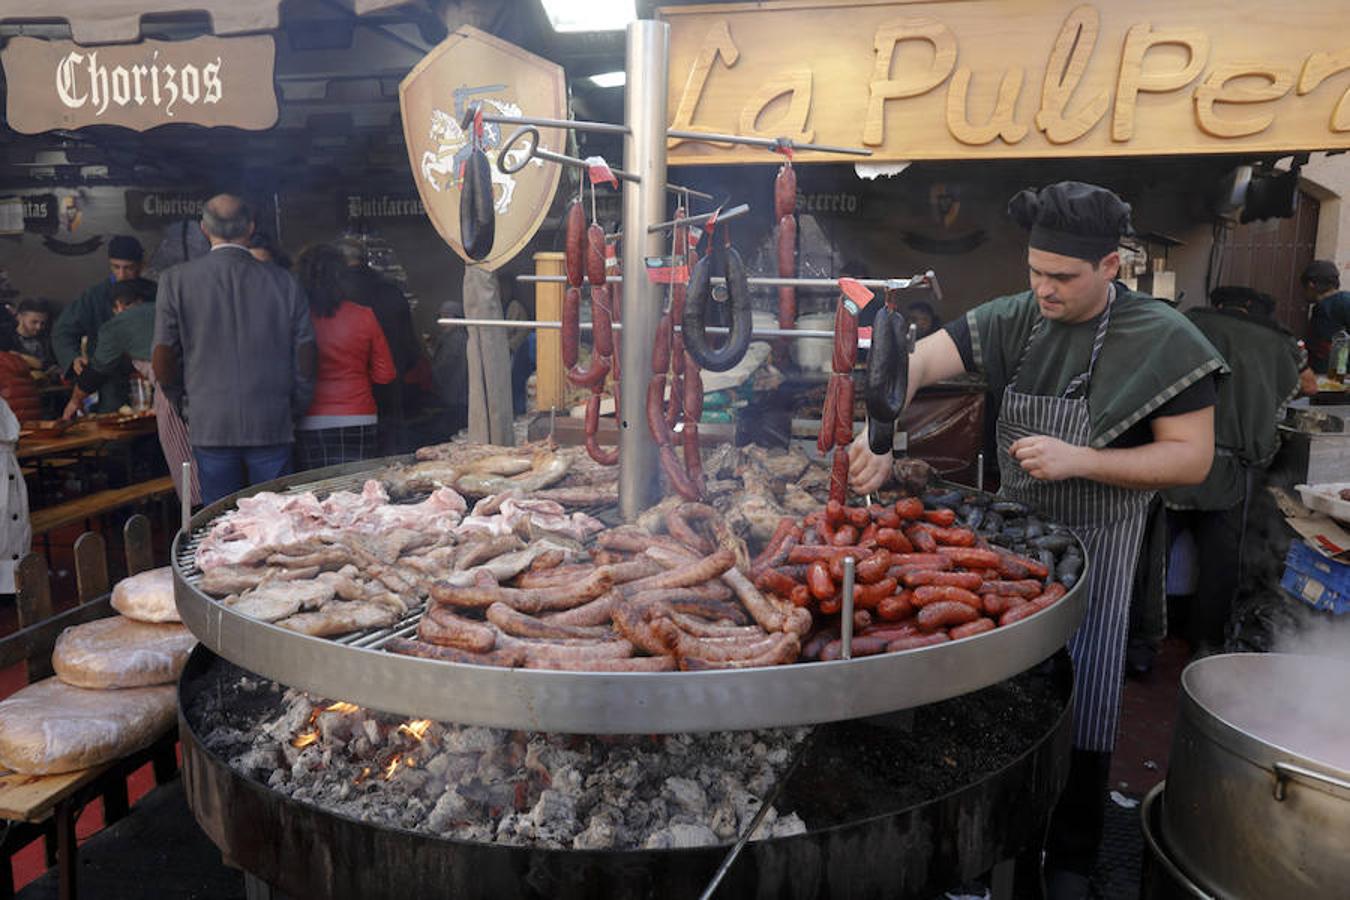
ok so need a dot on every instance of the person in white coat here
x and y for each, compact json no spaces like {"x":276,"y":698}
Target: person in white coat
{"x":16,"y":532}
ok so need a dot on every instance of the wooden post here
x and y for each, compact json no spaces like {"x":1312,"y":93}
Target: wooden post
{"x":33,"y":596}
{"x":91,"y":566}
{"x":136,"y":540}
{"x":549,"y":385}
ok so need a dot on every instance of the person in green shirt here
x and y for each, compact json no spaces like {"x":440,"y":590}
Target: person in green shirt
{"x":1266,"y":363}
{"x":123,"y":340}
{"x":1103,"y":396}
{"x":81,"y":320}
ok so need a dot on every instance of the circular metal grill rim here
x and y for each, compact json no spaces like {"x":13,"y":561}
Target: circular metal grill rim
{"x":355,"y":669}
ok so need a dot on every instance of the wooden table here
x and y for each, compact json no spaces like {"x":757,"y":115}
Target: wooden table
{"x":82,"y":436}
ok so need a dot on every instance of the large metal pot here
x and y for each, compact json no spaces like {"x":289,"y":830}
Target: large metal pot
{"x":1258,"y":787}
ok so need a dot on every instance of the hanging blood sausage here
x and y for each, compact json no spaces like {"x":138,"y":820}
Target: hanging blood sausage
{"x":887,"y":374}
{"x":699,"y":300}
{"x":477,"y":220}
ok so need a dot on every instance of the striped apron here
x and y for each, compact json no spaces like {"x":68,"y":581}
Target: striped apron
{"x":1108,"y":520}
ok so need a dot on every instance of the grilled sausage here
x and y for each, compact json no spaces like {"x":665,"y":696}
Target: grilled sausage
{"x":970,"y":581}
{"x":945,"y":613}
{"x":930,"y":594}
{"x":970,"y":629}
{"x":914,"y":642}
{"x":506,"y":658}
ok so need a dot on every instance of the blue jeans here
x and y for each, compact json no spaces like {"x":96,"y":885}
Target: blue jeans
{"x":223,"y":470}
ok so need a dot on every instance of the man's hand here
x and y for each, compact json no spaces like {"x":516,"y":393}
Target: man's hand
{"x":866,"y":470}
{"x":72,"y":409}
{"x":79,"y":364}
{"x":1049,"y":459}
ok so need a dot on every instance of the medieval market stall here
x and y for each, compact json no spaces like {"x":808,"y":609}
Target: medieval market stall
{"x":583,"y":458}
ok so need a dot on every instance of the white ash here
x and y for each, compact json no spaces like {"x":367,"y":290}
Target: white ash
{"x":508,"y":787}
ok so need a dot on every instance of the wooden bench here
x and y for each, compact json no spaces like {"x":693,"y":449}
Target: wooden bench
{"x":91,"y":506}
{"x":47,"y":806}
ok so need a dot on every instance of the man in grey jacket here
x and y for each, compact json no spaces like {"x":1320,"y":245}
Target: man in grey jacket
{"x":234,"y":347}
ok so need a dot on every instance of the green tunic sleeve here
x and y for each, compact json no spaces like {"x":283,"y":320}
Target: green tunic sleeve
{"x":1151,"y":354}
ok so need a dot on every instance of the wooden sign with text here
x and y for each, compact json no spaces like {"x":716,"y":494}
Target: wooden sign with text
{"x":205,"y":81}
{"x":988,"y":79}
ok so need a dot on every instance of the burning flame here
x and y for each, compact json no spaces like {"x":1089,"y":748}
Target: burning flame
{"x":342,"y":706}
{"x":390,"y":769}
{"x":417,"y":730}
{"x":365,"y":773}
{"x":301,"y":741}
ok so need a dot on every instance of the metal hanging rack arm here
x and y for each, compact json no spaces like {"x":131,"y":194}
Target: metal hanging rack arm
{"x":543,"y":153}
{"x":766,"y":143}
{"x":548,"y":324}
{"x":573,"y":124}
{"x":928,"y":280}
{"x":721,"y":214}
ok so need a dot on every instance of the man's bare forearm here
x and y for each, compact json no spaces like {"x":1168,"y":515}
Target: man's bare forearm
{"x":1151,"y":467}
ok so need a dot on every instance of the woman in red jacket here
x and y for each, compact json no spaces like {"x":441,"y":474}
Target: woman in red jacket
{"x":353,"y":355}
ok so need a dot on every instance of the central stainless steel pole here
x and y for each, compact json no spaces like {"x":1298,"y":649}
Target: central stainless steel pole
{"x":644,"y":203}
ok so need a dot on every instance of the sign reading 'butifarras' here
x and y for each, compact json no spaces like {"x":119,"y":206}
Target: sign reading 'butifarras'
{"x":205,"y":81}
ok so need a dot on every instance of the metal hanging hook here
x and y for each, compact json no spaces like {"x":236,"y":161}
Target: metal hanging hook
{"x":538,"y":152}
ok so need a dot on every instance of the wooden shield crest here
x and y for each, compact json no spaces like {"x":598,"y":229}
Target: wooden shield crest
{"x":470,"y":66}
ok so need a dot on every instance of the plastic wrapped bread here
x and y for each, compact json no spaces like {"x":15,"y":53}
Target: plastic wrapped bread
{"x":147,"y":596}
{"x":118,"y":653}
{"x":51,"y":727}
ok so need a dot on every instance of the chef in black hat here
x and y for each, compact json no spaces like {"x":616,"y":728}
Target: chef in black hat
{"x":82,"y":319}
{"x":1103,"y":397}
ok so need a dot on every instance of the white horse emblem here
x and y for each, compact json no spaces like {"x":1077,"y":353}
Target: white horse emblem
{"x":441,"y":166}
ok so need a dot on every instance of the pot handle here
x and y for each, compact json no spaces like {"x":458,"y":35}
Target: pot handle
{"x":1286,"y":772}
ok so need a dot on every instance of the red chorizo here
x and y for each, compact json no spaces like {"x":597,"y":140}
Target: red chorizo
{"x":892,"y":630}
{"x":845,"y":338}
{"x":602,"y":332}
{"x":1034,"y":567}
{"x":968,"y":580}
{"x":806,"y":555}
{"x":896,"y":607}
{"x":819,"y":582}
{"x":928,"y":594}
{"x":571,"y":326}
{"x":998,"y":604}
{"x":875,"y":567}
{"x":922,"y":540}
{"x":1027,"y":589}
{"x":944,"y":517}
{"x":843,"y":414}
{"x":971,"y":557}
{"x":860,"y":646}
{"x":830,"y":607}
{"x":921,"y":560}
{"x":825,"y":439}
{"x":887,"y":518}
{"x":839,"y":474}
{"x":970,"y":629}
{"x":914,"y":642}
{"x":894,"y":540}
{"x":1052,"y":594}
{"x":952,"y":537}
{"x":846,"y":535}
{"x":775,"y":581}
{"x":800,"y":595}
{"x":661,"y":346}
{"x":593,"y":448}
{"x":1018,"y":613}
{"x":593,"y":375}
{"x":595,"y":255}
{"x":1011,"y":568}
{"x":780,"y":533}
{"x":693,"y":393}
{"x":785,"y":191}
{"x":575,"y":246}
{"x":857,"y":516}
{"x":945,"y":613}
{"x":909,"y":508}
{"x":869,"y":596}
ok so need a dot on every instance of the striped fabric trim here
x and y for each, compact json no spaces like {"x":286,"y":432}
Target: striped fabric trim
{"x":1206,"y":368}
{"x":976,"y":349}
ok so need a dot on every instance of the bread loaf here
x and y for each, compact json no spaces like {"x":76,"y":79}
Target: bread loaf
{"x":147,"y":597}
{"x":51,"y":727}
{"x":118,"y":653}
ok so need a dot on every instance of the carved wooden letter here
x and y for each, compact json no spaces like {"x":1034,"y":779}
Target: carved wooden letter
{"x":1317,"y":69}
{"x":1000,"y":124}
{"x":1212,"y":90}
{"x":882,"y":88}
{"x":1138,"y":40}
{"x":793,"y":125}
{"x":718,"y":43}
{"x":1063,"y":73}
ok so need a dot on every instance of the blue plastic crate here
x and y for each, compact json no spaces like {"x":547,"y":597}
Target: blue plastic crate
{"x":1320,"y":582}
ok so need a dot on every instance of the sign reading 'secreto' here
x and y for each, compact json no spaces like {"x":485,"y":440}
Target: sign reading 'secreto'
{"x":205,"y":81}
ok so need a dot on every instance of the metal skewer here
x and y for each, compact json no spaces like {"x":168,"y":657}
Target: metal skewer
{"x":544,"y":153}
{"x":846,"y":613}
{"x":185,"y":493}
{"x":801,"y":333}
{"x":766,"y":143}
{"x":928,"y":279}
{"x":722,"y":215}
{"x":573,"y":124}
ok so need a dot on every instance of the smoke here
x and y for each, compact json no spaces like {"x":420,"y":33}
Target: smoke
{"x":1315,"y":633}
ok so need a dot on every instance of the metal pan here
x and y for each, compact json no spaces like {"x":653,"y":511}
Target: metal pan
{"x":356,"y":670}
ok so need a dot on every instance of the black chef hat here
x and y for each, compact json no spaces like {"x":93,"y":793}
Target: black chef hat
{"x":1322,"y":272}
{"x":1072,"y":219}
{"x":124,"y":246}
